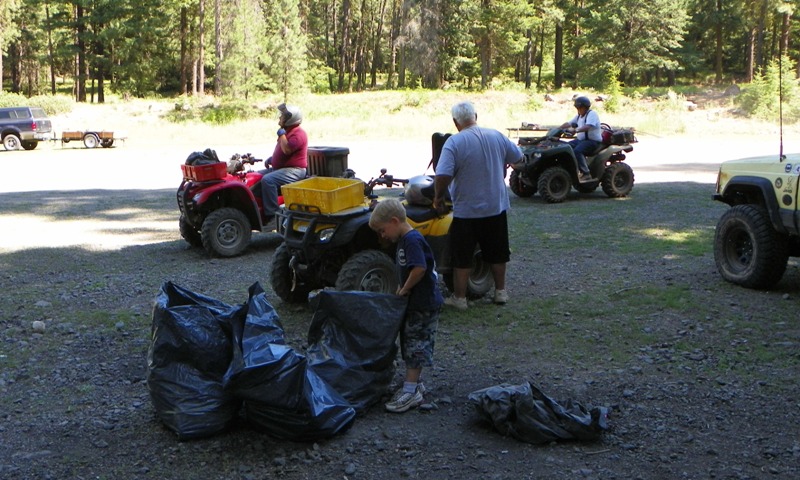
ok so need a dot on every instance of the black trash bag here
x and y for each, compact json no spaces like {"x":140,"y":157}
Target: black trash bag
{"x":352,"y":342}
{"x":281,"y":395}
{"x":527,"y":414}
{"x":206,"y":157}
{"x":189,"y":353}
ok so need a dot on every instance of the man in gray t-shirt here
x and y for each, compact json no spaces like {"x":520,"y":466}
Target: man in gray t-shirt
{"x":472,"y":166}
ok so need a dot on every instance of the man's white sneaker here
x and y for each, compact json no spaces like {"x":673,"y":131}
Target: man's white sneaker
{"x":500,"y":297}
{"x":459,"y":303}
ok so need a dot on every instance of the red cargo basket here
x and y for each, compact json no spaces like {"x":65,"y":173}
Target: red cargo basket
{"x":205,"y":173}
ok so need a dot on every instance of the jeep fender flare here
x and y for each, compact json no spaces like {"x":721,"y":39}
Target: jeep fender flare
{"x":744,"y":189}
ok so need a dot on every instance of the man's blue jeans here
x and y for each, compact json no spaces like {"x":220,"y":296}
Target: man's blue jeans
{"x":270,"y":183}
{"x":581,"y":149}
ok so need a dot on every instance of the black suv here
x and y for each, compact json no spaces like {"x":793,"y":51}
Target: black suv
{"x":23,"y":127}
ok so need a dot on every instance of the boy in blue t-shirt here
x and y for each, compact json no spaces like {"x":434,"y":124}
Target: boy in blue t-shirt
{"x":418,"y":281}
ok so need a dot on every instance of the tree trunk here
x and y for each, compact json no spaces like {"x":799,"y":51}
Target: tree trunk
{"x":750,"y":56}
{"x":217,"y":48}
{"x":526,"y":69}
{"x":718,"y":44}
{"x":376,"y":48}
{"x":558,"y":60}
{"x":50,"y":58}
{"x":184,"y":28}
{"x":343,"y":47}
{"x":785,"y":26}
{"x":486,"y":50}
{"x":80,"y":84}
{"x":201,"y":60}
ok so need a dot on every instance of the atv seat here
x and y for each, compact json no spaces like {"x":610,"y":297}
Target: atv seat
{"x":437,"y":143}
{"x":420,"y":214}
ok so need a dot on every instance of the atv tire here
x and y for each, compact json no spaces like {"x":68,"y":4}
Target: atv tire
{"x":189,"y":233}
{"x":520,"y":188}
{"x":747,"y":249}
{"x":480,"y":280}
{"x":281,"y":277}
{"x":554,"y":184}
{"x":368,"y":271}
{"x":226,"y":232}
{"x":618,"y":180}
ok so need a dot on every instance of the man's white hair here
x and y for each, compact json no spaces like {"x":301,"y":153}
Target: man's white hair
{"x":464,"y":113}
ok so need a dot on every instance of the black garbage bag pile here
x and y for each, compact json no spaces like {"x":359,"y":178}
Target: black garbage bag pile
{"x":352,"y":342}
{"x":527,"y":414}
{"x":190,"y":351}
{"x":282,"y":395}
{"x":207,"y":359}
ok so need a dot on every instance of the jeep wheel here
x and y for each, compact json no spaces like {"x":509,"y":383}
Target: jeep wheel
{"x":11,"y":142}
{"x":554,"y":184}
{"x":90,"y":140}
{"x":282,"y":278}
{"x":226,"y":232}
{"x":618,"y":180}
{"x":747,"y":250}
{"x":520,"y":188}
{"x":480,"y":278}
{"x":29,"y":145}
{"x":189,"y":233}
{"x":368,"y":271}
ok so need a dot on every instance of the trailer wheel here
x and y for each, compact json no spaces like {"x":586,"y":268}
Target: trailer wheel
{"x":90,"y":140}
{"x":107,"y":142}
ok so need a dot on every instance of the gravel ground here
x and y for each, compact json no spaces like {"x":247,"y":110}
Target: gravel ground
{"x":608,"y":307}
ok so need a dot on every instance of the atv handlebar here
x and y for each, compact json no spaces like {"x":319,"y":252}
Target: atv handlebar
{"x":237,"y":162}
{"x":384,"y":179}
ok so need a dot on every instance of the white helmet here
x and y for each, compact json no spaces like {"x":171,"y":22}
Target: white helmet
{"x":290,"y":114}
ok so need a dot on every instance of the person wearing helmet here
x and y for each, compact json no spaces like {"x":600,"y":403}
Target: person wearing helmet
{"x":588,"y":135}
{"x":289,"y":159}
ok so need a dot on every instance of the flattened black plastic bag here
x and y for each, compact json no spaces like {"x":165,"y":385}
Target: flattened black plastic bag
{"x":352,"y":342}
{"x":527,"y":414}
{"x":189,"y":353}
{"x":282,"y":396}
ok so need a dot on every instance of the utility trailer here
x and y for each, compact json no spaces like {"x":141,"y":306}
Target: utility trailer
{"x":91,"y":138}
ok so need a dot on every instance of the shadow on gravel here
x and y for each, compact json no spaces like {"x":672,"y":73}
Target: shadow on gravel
{"x":96,"y":220}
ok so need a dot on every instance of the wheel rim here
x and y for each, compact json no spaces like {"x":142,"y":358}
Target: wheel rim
{"x":620,"y":180}
{"x":11,"y":142}
{"x":739,"y":250}
{"x":374,"y":280}
{"x":90,"y":141}
{"x":229,"y":233}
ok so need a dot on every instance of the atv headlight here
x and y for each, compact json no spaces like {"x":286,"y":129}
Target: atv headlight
{"x":326,"y":234}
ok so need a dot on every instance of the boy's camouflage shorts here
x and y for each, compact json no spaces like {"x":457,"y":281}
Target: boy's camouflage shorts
{"x":418,"y":336}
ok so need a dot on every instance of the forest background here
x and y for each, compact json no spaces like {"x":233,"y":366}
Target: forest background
{"x":241,"y":50}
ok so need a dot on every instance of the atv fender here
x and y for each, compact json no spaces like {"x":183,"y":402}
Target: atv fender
{"x":229,"y":194}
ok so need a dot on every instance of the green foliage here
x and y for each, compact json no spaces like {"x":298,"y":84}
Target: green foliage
{"x":223,"y":113}
{"x":52,"y":104}
{"x":761,"y":99}
{"x":612,"y":88}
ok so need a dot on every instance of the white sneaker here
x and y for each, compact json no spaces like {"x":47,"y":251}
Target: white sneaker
{"x":453,"y":301}
{"x":500,"y":297}
{"x":402,"y":401}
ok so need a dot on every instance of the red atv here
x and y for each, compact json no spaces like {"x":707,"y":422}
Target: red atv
{"x":220,"y":203}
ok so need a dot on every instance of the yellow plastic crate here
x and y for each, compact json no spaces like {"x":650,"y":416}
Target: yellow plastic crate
{"x":323,"y":194}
